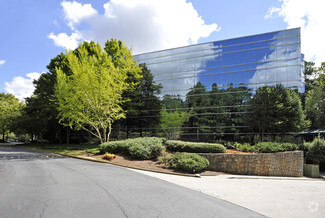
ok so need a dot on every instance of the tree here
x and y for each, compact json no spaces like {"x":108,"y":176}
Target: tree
{"x":199,"y":101}
{"x":276,"y":109}
{"x":91,"y":97}
{"x":10,"y":108}
{"x":143,"y":107}
{"x":315,"y":101}
{"x":171,"y":122}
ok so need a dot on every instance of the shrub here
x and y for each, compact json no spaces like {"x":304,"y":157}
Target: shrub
{"x":139,"y":148}
{"x":114,"y":147}
{"x":109,"y":156}
{"x":187,"y":162}
{"x":315,"y":150}
{"x":194,"y":147}
{"x":246,"y":147}
{"x":272,"y":147}
{"x":317,"y":147}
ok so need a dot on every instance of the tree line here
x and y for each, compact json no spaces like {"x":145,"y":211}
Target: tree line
{"x":95,"y":93}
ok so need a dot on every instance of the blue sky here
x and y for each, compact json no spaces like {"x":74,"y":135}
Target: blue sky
{"x":33,"y":32}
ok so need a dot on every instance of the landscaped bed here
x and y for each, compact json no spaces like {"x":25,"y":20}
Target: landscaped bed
{"x":159,"y":155}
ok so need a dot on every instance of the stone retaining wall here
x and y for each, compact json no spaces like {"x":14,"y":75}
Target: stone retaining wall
{"x":262,"y":164}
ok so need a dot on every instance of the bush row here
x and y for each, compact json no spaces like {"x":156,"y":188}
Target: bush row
{"x":186,"y":162}
{"x":194,"y":147}
{"x":262,"y":147}
{"x":140,"y":148}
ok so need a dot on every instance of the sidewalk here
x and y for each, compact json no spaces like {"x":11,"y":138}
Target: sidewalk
{"x":270,"y":196}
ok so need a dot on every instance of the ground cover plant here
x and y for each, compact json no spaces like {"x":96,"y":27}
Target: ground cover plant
{"x":194,"y":147}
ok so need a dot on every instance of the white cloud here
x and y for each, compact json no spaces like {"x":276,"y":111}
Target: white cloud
{"x":147,"y":25}
{"x":2,"y":62}
{"x":22,"y":87}
{"x":76,"y":12}
{"x":63,"y":40}
{"x":310,"y":16}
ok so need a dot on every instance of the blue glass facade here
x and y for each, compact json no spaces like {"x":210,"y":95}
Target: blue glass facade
{"x":234,"y":66}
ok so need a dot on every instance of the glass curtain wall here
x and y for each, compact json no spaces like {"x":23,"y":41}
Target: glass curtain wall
{"x":209,"y":83}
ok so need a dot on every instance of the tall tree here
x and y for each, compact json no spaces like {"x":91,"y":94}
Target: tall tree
{"x":91,"y":97}
{"x":276,"y":109}
{"x":143,"y":105}
{"x":10,"y":108}
{"x":315,"y":101}
{"x":198,"y":100}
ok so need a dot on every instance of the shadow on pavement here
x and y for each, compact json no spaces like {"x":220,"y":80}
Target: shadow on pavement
{"x":8,"y":153}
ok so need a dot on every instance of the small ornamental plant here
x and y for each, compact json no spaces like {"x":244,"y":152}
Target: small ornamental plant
{"x":109,"y":156}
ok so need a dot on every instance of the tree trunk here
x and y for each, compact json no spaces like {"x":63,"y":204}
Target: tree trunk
{"x":68,"y":136}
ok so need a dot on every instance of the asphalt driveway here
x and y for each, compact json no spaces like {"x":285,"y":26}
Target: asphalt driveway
{"x":34,"y":184}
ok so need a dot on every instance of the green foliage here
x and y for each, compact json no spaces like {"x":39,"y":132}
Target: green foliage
{"x":171,"y":122}
{"x":142,"y":106}
{"x":194,"y":147}
{"x":10,"y":109}
{"x":115,"y":147}
{"x":140,"y":148}
{"x":276,"y":109}
{"x":220,"y":111}
{"x":317,"y":146}
{"x":91,"y":97}
{"x":187,"y":162}
{"x":315,"y":103}
{"x":94,"y":151}
{"x":315,"y":150}
{"x":272,"y":147}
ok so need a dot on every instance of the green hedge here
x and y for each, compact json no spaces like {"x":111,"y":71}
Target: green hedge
{"x":272,"y":147}
{"x":188,"y":162}
{"x":194,"y":147}
{"x":139,"y":148}
{"x":263,"y":147}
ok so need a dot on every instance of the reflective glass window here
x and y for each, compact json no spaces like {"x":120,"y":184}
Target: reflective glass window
{"x":293,"y":73}
{"x":281,"y":34}
{"x":292,"y":40}
{"x":251,"y":56}
{"x":281,"y":52}
{"x":292,"y":32}
{"x":292,"y":51}
{"x":281,"y":74}
{"x":241,"y":57}
{"x":250,"y":76}
{"x":237,"y":78}
{"x":261,"y":54}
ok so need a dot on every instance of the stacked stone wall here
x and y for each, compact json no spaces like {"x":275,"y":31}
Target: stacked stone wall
{"x":262,"y":164}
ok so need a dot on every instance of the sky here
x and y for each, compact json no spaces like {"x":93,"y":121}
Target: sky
{"x":32,"y":32}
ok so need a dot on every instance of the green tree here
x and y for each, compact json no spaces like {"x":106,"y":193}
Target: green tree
{"x":198,"y":100}
{"x":10,"y":108}
{"x":172,"y":121}
{"x":276,"y":109}
{"x":91,"y":97}
{"x":143,"y":104}
{"x":315,"y":101}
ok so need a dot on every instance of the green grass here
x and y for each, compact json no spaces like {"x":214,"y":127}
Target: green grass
{"x":73,"y":150}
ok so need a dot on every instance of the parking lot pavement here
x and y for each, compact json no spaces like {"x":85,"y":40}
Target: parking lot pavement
{"x":270,"y":196}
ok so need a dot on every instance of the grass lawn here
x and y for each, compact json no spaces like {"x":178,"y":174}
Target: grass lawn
{"x":73,"y":150}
